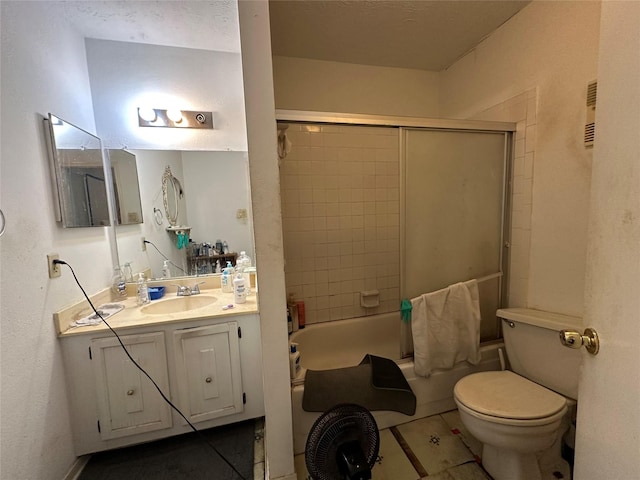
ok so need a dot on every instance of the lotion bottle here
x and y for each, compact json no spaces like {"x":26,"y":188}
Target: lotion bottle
{"x":239,"y":288}
{"x":226,"y":279}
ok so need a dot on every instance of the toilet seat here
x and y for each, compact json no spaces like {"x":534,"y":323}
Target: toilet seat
{"x":507,"y":398}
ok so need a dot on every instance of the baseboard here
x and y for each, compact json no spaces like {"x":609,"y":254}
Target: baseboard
{"x":77,"y":467}
{"x":291,"y":476}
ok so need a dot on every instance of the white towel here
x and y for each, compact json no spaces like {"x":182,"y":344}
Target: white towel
{"x":446,"y":327}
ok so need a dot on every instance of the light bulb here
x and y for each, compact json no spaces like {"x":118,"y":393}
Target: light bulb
{"x":174,"y":115}
{"x":147,"y":114}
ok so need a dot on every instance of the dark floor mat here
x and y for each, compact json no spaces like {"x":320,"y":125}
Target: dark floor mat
{"x":376,"y":384}
{"x":184,"y":457}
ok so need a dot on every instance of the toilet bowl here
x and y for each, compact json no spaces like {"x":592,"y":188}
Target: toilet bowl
{"x":520,"y":415}
{"x":518,"y":422}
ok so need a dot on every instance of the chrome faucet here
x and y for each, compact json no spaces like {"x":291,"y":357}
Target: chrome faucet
{"x":186,"y":291}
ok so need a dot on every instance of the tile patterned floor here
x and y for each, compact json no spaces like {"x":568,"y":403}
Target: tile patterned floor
{"x":440,"y":447}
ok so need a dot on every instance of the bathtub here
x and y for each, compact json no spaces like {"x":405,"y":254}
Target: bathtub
{"x":344,"y":343}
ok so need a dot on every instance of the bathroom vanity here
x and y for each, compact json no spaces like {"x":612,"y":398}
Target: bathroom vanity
{"x":207,"y":360}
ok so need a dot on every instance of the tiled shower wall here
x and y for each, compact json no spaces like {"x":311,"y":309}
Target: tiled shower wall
{"x":520,"y":109}
{"x":341,"y":218}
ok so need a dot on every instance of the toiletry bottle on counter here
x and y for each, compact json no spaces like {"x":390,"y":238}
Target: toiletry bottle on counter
{"x":294,"y":361}
{"x":226,"y":280}
{"x":166,"y":271}
{"x":243,"y":262}
{"x":239,"y":288}
{"x":143,"y":290}
{"x":301,"y":314}
{"x":118,"y":285}
{"x":289,"y":321}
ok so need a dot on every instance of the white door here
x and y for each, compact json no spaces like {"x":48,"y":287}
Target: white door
{"x":608,"y":429}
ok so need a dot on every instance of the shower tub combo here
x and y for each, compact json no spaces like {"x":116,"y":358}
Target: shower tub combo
{"x":344,"y":343}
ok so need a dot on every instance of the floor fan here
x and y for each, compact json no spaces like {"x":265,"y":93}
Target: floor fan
{"x":342,"y":444}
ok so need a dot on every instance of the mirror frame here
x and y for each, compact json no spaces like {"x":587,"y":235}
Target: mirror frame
{"x":176,"y":189}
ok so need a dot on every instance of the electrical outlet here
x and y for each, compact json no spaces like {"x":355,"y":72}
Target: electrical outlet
{"x":144,"y":245}
{"x":54,"y":268}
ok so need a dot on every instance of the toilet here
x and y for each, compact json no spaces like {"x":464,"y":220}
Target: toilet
{"x":521,"y":414}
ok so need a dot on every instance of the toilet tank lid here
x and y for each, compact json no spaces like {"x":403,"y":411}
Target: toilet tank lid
{"x":540,"y":318}
{"x":505,"y":394}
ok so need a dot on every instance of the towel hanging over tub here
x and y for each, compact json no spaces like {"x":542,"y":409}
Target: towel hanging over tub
{"x":446,"y":327}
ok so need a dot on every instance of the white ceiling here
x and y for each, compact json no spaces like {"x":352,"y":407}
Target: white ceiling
{"x":202,"y":24}
{"x":421,"y":34}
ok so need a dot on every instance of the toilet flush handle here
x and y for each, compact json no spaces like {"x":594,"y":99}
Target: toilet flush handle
{"x":572,"y":339}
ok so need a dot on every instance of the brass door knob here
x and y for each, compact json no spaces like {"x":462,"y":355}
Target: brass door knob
{"x":573,"y":339}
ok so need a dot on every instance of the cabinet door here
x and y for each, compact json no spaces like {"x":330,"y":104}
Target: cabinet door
{"x":128,"y":403}
{"x":208,"y":371}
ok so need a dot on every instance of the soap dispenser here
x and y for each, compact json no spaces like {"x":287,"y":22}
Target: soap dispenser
{"x":143,"y":290}
{"x":166,"y":271}
{"x":226,"y":279}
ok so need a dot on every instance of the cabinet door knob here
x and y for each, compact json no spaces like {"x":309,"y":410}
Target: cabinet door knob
{"x":208,"y":380}
{"x":131,"y":392}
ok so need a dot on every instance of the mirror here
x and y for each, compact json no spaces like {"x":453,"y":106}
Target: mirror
{"x":78,"y":175}
{"x":171,"y":191}
{"x":125,"y":186}
{"x":211,"y":201}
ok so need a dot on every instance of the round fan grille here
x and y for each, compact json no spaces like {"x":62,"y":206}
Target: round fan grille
{"x":335,"y":427}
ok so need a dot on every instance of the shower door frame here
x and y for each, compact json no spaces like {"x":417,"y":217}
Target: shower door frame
{"x":505,"y":228}
{"x":424,"y":123}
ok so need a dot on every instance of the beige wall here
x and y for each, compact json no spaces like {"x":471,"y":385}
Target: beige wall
{"x":267,"y":225}
{"x":316,"y":85}
{"x":551,"y":46}
{"x":44,"y":69}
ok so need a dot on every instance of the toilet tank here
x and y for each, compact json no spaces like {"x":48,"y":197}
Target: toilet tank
{"x":534,"y":350}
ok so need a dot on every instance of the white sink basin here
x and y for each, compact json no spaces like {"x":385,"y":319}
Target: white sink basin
{"x":178,"y":304}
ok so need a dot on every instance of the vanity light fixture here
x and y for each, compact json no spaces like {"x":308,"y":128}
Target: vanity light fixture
{"x":174,"y":115}
{"x":147,"y":114}
{"x":174,"y":118}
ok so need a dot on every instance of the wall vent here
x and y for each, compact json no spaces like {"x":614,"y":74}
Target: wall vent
{"x":590,"y":125}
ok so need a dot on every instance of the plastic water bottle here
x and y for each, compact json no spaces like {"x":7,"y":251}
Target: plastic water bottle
{"x":243,"y":262}
{"x":143,"y":290}
{"x":118,"y":285}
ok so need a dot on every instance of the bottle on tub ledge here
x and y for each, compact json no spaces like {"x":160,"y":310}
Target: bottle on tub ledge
{"x":294,"y":360}
{"x":301,"y":314}
{"x":292,"y":314}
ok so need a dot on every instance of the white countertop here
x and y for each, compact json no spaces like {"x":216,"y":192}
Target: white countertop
{"x":133,"y":316}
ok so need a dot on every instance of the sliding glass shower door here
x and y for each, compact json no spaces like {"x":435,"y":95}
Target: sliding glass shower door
{"x":453,"y":205}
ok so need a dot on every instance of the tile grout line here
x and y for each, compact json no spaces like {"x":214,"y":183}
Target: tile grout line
{"x":408,"y":452}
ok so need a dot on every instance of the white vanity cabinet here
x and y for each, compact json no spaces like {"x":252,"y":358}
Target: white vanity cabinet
{"x":127,"y":401}
{"x":210,"y":368}
{"x":207,"y":361}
